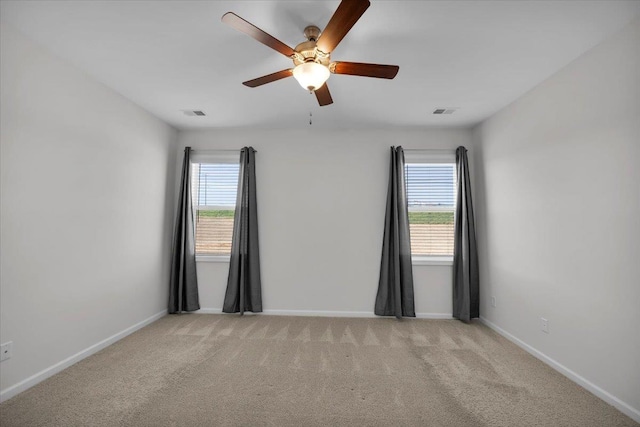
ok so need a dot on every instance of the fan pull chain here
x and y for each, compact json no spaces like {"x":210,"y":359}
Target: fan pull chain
{"x":310,"y":118}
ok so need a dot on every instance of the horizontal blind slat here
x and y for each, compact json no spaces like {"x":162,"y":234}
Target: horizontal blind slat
{"x":217,"y":184}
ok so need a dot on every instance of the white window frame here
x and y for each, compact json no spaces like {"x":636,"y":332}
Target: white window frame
{"x":432,"y":157}
{"x":209,"y":158}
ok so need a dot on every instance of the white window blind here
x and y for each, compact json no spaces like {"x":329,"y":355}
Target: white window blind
{"x":214,"y":188}
{"x":431,"y":196}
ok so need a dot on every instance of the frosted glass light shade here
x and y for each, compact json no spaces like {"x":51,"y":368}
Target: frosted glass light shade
{"x":311,"y":75}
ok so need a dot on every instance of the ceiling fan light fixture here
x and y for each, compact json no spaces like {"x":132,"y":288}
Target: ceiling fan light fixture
{"x":311,"y":75}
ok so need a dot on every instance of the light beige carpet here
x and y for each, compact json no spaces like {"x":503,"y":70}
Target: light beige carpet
{"x":226,"y":370}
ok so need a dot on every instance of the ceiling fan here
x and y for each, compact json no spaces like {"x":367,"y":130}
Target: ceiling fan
{"x":312,"y":59}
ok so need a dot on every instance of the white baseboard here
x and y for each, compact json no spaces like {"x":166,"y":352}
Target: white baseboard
{"x":208,"y":311}
{"x":441,"y":316}
{"x":23,"y":385}
{"x":324,"y":313}
{"x":623,"y":407}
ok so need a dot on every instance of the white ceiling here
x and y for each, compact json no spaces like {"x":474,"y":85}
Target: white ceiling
{"x":168,"y":56}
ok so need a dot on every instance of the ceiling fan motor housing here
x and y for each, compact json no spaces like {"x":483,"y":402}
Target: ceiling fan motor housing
{"x":307,"y":52}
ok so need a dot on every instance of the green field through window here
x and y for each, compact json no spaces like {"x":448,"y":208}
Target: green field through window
{"x":430,"y":217}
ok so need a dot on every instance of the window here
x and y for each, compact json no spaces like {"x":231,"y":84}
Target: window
{"x":214,"y":187}
{"x":431,"y":197}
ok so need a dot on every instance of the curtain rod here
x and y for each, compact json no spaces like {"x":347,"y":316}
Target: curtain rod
{"x":218,"y":151}
{"x":432,"y":150}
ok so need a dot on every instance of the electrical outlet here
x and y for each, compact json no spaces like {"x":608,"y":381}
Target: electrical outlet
{"x":5,"y":350}
{"x":493,"y":301}
{"x":544,"y":325}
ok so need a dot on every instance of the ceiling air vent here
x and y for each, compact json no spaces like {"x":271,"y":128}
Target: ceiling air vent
{"x":192,"y":113}
{"x":444,"y":110}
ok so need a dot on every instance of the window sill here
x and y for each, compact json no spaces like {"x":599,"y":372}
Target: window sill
{"x":425,"y":260}
{"x":213,"y":258}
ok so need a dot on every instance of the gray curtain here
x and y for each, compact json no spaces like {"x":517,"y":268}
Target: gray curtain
{"x":244,"y":291}
{"x":395,"y":288}
{"x":466,"y":281}
{"x":183,"y":285}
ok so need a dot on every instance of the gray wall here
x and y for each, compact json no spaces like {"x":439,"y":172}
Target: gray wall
{"x":558,"y":174}
{"x":321,"y":203}
{"x":85,"y":215}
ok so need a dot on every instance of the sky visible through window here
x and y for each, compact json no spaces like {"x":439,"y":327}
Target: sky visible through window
{"x":217,"y":184}
{"x":430,"y":185}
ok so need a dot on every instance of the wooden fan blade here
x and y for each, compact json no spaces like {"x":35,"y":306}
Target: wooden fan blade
{"x":269,"y":78}
{"x":366,"y":70}
{"x":345,"y":17}
{"x":251,"y":30}
{"x":323,"y":95}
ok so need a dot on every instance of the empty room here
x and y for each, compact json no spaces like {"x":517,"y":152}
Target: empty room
{"x":319,"y":213}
